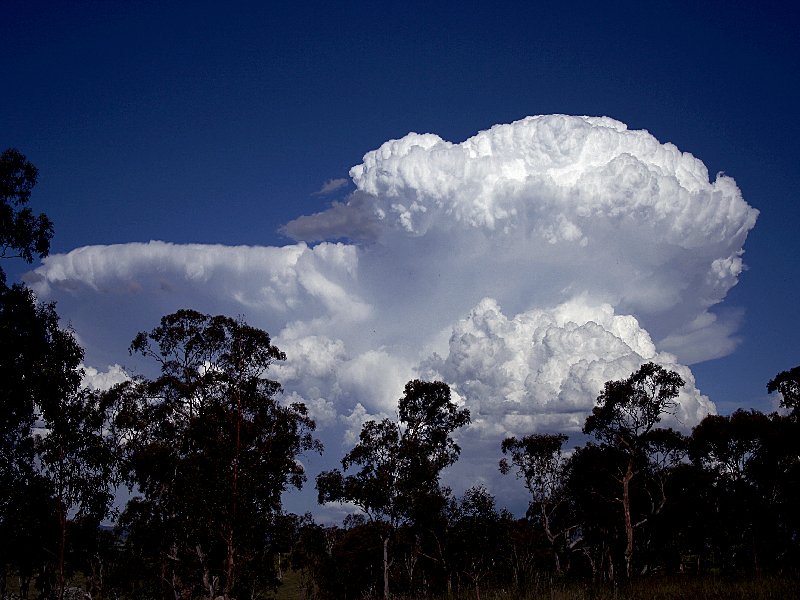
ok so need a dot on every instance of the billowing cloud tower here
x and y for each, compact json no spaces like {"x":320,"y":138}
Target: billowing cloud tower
{"x":525,"y":266}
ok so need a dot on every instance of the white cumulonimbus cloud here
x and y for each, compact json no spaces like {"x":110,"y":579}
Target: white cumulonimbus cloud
{"x":525,"y":266}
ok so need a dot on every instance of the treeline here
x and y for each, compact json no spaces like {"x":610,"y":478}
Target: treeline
{"x":207,"y":449}
{"x":636,"y":501}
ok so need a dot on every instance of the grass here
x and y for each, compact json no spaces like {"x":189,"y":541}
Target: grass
{"x":668,"y":588}
{"x":662,"y":588}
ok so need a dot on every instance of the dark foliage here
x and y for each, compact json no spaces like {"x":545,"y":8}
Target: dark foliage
{"x":56,"y":460}
{"x":22,"y":234}
{"x":399,"y":464}
{"x":211,"y":449}
{"x":787,"y":383}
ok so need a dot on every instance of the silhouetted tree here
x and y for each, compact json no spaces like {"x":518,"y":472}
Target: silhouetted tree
{"x":725,"y":444}
{"x":22,"y":234}
{"x":399,"y":463}
{"x":479,"y":540}
{"x":77,"y":456}
{"x":25,"y":331}
{"x":211,"y":449}
{"x":69,"y":462}
{"x":591,"y":485}
{"x":753,"y":459}
{"x":627,"y":410}
{"x":32,"y":371}
{"x":787,"y":384}
{"x":540,"y":463}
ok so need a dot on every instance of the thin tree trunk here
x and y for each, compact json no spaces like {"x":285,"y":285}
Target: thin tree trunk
{"x":62,"y":521}
{"x":550,"y":537}
{"x":231,"y":558}
{"x":626,"y":505}
{"x":386,"y":567}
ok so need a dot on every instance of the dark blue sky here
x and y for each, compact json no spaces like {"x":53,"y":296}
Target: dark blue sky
{"x":198,"y":122}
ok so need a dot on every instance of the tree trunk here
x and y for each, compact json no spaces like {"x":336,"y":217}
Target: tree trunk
{"x":230,"y":562}
{"x":386,"y":567}
{"x":550,"y":537}
{"x":626,"y":506}
{"x":62,"y":522}
{"x":209,"y":581}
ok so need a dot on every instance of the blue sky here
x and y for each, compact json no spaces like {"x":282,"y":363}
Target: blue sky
{"x":198,"y":123}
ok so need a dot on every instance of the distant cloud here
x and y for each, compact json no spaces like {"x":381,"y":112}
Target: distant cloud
{"x":331,"y":185}
{"x":105,"y":380}
{"x":525,"y":266}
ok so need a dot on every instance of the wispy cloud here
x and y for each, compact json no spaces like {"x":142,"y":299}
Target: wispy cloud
{"x":331,"y":186}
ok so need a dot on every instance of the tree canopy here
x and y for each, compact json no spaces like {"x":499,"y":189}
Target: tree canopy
{"x":22,"y":233}
{"x":627,"y":410}
{"x":211,"y":449}
{"x":787,"y":384}
{"x":399,"y":463}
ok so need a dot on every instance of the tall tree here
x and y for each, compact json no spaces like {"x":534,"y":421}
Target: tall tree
{"x":211,"y":448}
{"x":539,"y":462}
{"x":40,"y":379}
{"x":591,"y":482}
{"x":25,"y":327}
{"x":399,"y":463}
{"x":754,"y":463}
{"x":40,"y":386}
{"x":626,"y":412}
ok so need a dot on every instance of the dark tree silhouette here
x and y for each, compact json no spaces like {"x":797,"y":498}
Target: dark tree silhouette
{"x":22,"y":234}
{"x":626,"y":412}
{"x":753,"y":461}
{"x":725,"y":444}
{"x":591,"y":483}
{"x":478,"y":538}
{"x":69,"y":463}
{"x":77,"y":455}
{"x":399,"y":463}
{"x":211,"y":449}
{"x":538,"y":461}
{"x":787,"y":384}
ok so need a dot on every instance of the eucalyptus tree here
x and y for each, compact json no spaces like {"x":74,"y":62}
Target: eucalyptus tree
{"x":54,"y":429}
{"x":211,"y":449}
{"x":54,"y":447}
{"x":77,"y":456}
{"x":754,"y":461}
{"x":26,"y":329}
{"x":538,"y":460}
{"x":625,"y":416}
{"x":399,"y":463}
{"x":479,"y":540}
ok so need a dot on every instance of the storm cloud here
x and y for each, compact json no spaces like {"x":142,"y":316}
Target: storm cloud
{"x":524,"y":266}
